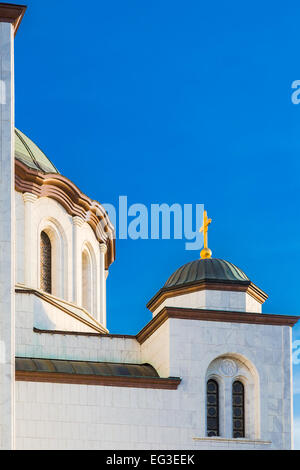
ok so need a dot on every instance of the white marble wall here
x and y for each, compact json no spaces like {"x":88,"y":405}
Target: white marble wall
{"x":79,"y":416}
{"x":7,"y":237}
{"x":62,"y":416}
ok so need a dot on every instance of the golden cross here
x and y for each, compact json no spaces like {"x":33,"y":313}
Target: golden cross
{"x":205,"y":253}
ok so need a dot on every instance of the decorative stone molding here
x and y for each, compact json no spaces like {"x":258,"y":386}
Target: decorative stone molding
{"x":238,"y":441}
{"x":78,"y":221}
{"x":82,"y":333}
{"x":225,"y":367}
{"x":246,"y":286}
{"x":225,"y":370}
{"x":103,"y":248}
{"x":228,"y":367}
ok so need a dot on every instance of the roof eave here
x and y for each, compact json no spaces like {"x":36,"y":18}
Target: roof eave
{"x":13,"y":14}
{"x":207,"y":284}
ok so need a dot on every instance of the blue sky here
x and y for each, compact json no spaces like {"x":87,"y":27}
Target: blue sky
{"x":175,"y":102}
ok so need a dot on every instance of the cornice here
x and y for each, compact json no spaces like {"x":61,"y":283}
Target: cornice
{"x":76,"y":203}
{"x":243,"y":286}
{"x":213,"y":315}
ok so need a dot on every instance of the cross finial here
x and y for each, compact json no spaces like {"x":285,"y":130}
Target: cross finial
{"x":206,"y":252}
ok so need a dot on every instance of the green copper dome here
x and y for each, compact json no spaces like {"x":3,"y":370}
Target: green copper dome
{"x":211,"y":269}
{"x":31,"y":155}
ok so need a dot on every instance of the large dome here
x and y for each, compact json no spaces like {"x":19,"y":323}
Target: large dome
{"x":211,"y":269}
{"x":31,"y":155}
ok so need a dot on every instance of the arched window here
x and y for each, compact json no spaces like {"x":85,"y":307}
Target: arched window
{"x":87,"y":294}
{"x":45,"y":263}
{"x":238,"y":411}
{"x":212,"y":408}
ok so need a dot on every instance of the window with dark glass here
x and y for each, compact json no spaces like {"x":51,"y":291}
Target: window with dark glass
{"x":238,"y":411}
{"x":212,"y":408}
{"x":46,"y":261}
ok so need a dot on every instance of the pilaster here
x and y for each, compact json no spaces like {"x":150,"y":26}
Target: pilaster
{"x":77,"y":268}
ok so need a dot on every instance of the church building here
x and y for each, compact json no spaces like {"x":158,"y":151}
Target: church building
{"x":209,"y":371}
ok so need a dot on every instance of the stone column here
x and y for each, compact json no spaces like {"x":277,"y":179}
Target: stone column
{"x":29,"y":239}
{"x":10,"y":17}
{"x":103,"y":276}
{"x":77,"y":268}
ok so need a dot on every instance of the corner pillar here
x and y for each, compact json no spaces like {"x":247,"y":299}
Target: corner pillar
{"x":10,"y":18}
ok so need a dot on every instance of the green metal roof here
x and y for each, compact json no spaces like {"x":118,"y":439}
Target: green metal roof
{"x":110,"y":369}
{"x":211,"y":269}
{"x":31,"y":155}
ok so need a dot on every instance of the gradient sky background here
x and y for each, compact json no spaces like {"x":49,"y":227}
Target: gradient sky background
{"x":176,"y":102}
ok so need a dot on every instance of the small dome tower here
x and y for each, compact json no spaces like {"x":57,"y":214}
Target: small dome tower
{"x":209,"y":283}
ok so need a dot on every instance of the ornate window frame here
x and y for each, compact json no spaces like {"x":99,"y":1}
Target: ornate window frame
{"x":227,"y":369}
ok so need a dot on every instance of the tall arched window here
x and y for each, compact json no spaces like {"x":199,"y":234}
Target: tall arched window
{"x":87,"y":294}
{"x":45,"y":263}
{"x":238,"y":411}
{"x":212,"y":408}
